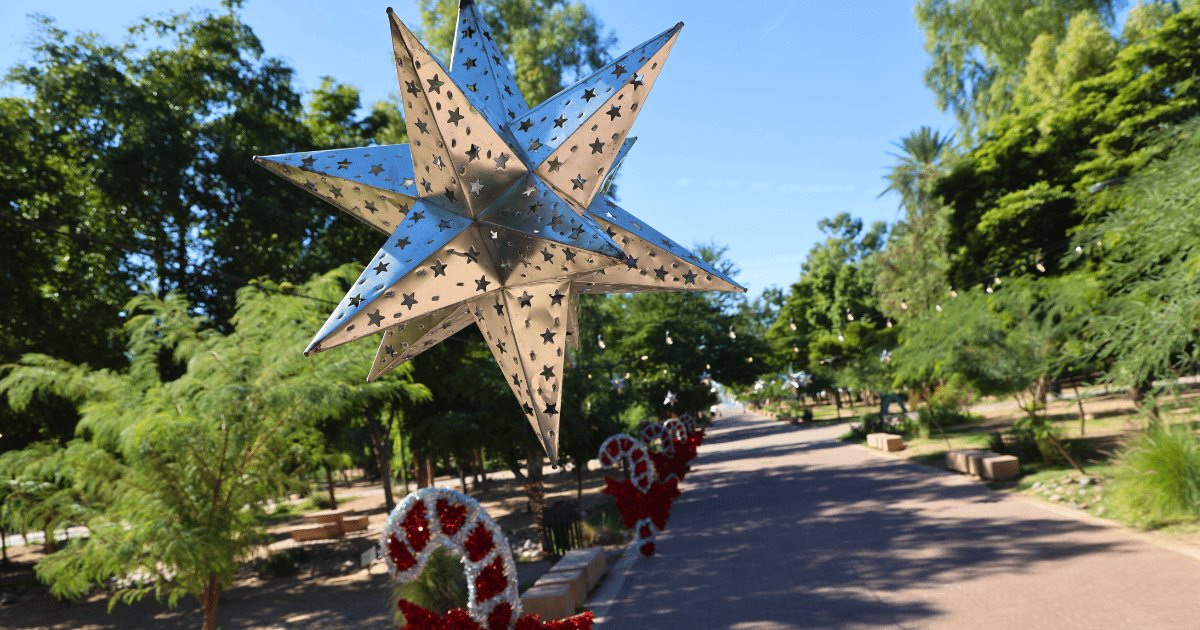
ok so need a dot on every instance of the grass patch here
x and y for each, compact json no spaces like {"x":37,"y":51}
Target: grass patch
{"x":603,"y":525}
{"x":1157,"y":481}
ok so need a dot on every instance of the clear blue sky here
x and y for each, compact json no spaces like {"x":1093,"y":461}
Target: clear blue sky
{"x":767,"y":117}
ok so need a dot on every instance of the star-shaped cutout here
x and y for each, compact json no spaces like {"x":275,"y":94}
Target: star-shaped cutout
{"x":474,"y":162}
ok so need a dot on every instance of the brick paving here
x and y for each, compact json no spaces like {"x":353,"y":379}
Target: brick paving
{"x":782,"y":527}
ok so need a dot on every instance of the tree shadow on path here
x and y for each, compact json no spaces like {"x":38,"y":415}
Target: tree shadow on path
{"x":789,"y":533}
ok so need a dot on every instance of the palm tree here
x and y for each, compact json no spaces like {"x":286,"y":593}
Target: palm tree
{"x":913,"y":267}
{"x":918,"y":165}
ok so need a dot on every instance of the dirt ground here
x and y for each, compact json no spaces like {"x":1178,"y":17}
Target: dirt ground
{"x":331,"y":590}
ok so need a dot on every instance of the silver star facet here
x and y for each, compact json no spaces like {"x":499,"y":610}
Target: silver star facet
{"x":489,"y":215}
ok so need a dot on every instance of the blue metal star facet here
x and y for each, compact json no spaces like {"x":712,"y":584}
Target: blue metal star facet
{"x":494,"y":213}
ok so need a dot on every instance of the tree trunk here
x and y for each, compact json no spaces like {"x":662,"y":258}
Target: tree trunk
{"x":477,"y":463}
{"x":1082,"y":415}
{"x":4,"y":545}
{"x":422,"y":470}
{"x":208,"y":602}
{"x":1062,"y":449}
{"x":48,"y":544}
{"x":1140,"y":393}
{"x":329,"y":485}
{"x":380,"y":444}
{"x":534,"y":488}
{"x":462,"y":475}
{"x":579,"y":486}
{"x":403,"y":465}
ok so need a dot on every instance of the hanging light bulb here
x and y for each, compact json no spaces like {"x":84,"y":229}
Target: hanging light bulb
{"x":1099,"y":243}
{"x":1040,"y":267}
{"x":795,"y":350}
{"x":996,"y":280}
{"x":645,"y":357}
{"x":749,"y":359}
{"x":953,"y":293}
{"x":707,"y":366}
{"x":1078,"y":249}
{"x":903,"y":305}
{"x":849,"y":316}
{"x":889,"y":322}
{"x":600,"y":341}
{"x":792,"y":324}
{"x":669,"y":340}
{"x":732,"y":335}
{"x":989,"y":288}
{"x":938,"y":307}
{"x":840,"y":337}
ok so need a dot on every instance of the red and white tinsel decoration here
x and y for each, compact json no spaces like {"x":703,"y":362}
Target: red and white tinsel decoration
{"x":644,"y":504}
{"x":437,"y":517}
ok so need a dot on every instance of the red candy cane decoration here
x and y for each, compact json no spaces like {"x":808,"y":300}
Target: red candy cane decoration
{"x":436,"y":517}
{"x":675,"y":429}
{"x":624,"y":447}
{"x":652,"y":431}
{"x":689,"y":422}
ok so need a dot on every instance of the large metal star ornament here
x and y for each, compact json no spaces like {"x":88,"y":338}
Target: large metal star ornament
{"x":494,"y":212}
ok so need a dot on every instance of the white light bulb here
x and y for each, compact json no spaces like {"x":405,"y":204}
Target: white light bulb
{"x":938,"y":307}
{"x":600,"y":341}
{"x":1040,"y":267}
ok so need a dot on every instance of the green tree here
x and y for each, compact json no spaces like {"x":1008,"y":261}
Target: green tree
{"x":127,"y":165}
{"x":1147,"y":327}
{"x":978,"y":49}
{"x":913,"y":267}
{"x":195,"y":458}
{"x":552,"y":42}
{"x":836,"y":288}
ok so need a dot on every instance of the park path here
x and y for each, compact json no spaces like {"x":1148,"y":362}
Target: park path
{"x":782,"y":527}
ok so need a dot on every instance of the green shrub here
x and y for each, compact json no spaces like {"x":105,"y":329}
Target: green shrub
{"x":1157,"y":479}
{"x":284,"y":563}
{"x":1018,"y":442}
{"x":441,"y":586}
{"x":603,"y":525}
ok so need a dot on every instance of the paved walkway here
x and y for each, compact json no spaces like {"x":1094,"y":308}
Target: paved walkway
{"x":780,"y":527}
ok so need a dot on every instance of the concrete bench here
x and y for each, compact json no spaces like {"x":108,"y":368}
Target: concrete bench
{"x":575,"y":580}
{"x":964,"y":460}
{"x":983,"y":464}
{"x":885,"y":441}
{"x":590,"y":560}
{"x":550,"y":601}
{"x":1000,"y":467}
{"x":316,"y":532}
{"x":355,"y":524}
{"x":330,"y":517}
